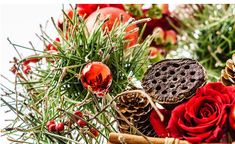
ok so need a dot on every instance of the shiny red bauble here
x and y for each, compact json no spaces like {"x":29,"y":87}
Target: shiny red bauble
{"x":96,"y":77}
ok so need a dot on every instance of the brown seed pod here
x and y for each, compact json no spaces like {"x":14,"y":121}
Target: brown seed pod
{"x":171,"y":81}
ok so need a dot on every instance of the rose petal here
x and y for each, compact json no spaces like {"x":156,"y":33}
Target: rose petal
{"x":173,"y":127}
{"x":198,"y":137}
{"x":195,"y":129}
{"x":215,"y":135}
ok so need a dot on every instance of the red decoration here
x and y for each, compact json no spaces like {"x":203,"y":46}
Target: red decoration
{"x":204,"y":117}
{"x":52,"y":128}
{"x":78,"y":113}
{"x":159,"y":126}
{"x":59,"y":127}
{"x":30,"y":59}
{"x":232,"y":117}
{"x":97,"y":77}
{"x":50,"y":123}
{"x":81,"y":123}
{"x":26,"y":69}
{"x":52,"y":47}
{"x":114,"y":14}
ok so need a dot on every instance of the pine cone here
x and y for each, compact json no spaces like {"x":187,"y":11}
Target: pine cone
{"x":228,"y":74}
{"x":136,"y":109}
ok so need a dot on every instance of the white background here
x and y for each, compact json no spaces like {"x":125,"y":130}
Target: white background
{"x":20,"y":22}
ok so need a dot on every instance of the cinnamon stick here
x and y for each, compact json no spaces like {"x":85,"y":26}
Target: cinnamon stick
{"x":120,"y":138}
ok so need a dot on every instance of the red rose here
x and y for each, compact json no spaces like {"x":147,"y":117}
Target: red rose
{"x":204,"y":117}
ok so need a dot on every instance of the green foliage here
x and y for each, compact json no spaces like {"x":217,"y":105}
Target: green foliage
{"x":208,"y":33}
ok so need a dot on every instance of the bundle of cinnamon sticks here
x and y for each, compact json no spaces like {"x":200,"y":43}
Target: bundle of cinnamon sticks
{"x":120,"y":138}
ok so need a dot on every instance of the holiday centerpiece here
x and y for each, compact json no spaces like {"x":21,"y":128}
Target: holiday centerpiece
{"x":106,"y":79}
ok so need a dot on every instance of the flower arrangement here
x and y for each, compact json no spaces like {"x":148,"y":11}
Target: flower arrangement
{"x":105,"y":79}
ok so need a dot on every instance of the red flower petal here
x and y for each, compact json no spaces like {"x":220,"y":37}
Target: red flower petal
{"x":159,"y":126}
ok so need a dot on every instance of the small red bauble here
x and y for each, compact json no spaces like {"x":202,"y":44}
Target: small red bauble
{"x":50,"y":123}
{"x":59,"y":127}
{"x":97,"y":77}
{"x":81,"y":123}
{"x":232,"y":117}
{"x":52,"y":128}
{"x":94,"y":132}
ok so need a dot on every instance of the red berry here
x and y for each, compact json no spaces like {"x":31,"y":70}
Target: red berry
{"x":52,"y":128}
{"x":232,"y":117}
{"x":81,"y":123}
{"x":50,"y":123}
{"x":78,"y":113}
{"x":26,"y":69}
{"x":170,"y":37}
{"x":94,"y":131}
{"x":59,"y":127}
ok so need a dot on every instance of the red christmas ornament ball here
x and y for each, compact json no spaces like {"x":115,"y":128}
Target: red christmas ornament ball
{"x":97,"y":77}
{"x":232,"y":117}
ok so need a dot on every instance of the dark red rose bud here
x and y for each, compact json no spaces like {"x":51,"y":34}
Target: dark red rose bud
{"x":59,"y":127}
{"x":81,"y":123}
{"x":50,"y":123}
{"x":159,"y":126}
{"x":52,"y":128}
{"x":26,"y":69}
{"x":232,"y":117}
{"x":94,"y":132}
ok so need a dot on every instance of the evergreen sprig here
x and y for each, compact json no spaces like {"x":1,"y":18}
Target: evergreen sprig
{"x":53,"y":89}
{"x":207,"y":34}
